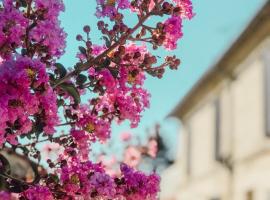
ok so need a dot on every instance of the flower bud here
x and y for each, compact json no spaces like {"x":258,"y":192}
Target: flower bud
{"x":86,"y":29}
{"x":79,"y":38}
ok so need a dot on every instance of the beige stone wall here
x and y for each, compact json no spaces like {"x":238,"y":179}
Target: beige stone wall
{"x":202,"y":136}
{"x":242,"y":133}
{"x":248,"y":106}
{"x":253,"y":174}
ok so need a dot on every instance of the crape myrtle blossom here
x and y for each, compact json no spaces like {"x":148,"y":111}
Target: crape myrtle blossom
{"x":51,"y":150}
{"x":13,"y":25}
{"x":125,"y":91}
{"x":109,"y":164}
{"x":186,"y":8}
{"x":45,"y":104}
{"x":125,"y":136}
{"x":34,"y":26}
{"x":38,"y":193}
{"x":110,"y":8}
{"x":25,"y":94}
{"x":152,"y":147}
{"x":86,"y":180}
{"x":42,"y":34}
{"x":132,"y":156}
{"x":138,"y":185}
{"x":170,"y":31}
{"x":5,"y":195}
{"x":173,"y":30}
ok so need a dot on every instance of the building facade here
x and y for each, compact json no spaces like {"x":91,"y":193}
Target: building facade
{"x":224,"y":150}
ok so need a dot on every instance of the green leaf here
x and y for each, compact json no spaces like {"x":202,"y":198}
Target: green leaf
{"x":107,"y":41}
{"x":61,"y":69}
{"x":105,"y":63}
{"x":82,"y":50}
{"x":25,"y":150}
{"x":72,"y":91}
{"x":81,"y":79}
{"x":5,"y":166}
{"x":60,"y":102}
{"x":23,"y":3}
{"x":114,"y":72}
{"x":23,"y":52}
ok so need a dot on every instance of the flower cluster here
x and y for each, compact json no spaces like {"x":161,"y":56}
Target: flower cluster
{"x":5,"y":196}
{"x":96,"y":127}
{"x":86,"y":180}
{"x":13,"y":26}
{"x":106,"y":85}
{"x":186,"y":8}
{"x":27,"y":100}
{"x":52,"y":42}
{"x":31,"y":27}
{"x":110,"y":8}
{"x":123,"y":93}
{"x":38,"y":193}
{"x":173,"y":30}
{"x":132,"y":156}
{"x":138,"y":185}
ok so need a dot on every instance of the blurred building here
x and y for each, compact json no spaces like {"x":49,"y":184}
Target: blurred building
{"x":224,"y":150}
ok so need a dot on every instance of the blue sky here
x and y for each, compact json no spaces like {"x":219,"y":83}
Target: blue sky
{"x":206,"y":37}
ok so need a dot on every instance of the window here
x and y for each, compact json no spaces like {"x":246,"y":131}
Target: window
{"x":189,"y":136}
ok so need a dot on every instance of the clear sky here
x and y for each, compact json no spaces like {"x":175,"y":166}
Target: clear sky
{"x":206,"y":37}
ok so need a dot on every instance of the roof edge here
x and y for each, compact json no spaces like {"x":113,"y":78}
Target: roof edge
{"x":255,"y":32}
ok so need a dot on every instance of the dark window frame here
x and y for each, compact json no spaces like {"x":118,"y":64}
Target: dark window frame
{"x":189,"y":150}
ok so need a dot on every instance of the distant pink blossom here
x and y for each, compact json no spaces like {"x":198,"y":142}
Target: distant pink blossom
{"x":152,"y":148}
{"x":132,"y":156}
{"x":125,"y":136}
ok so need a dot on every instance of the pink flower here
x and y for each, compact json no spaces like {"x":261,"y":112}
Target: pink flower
{"x":25,"y":93}
{"x":98,"y":49}
{"x":132,"y":156}
{"x":151,"y":6}
{"x":5,"y":195}
{"x":138,"y":185}
{"x":85,"y":180}
{"x":125,"y":136}
{"x":53,"y":40}
{"x":186,"y":8}
{"x":38,"y":193}
{"x":152,"y":148}
{"x":1,"y":60}
{"x":109,"y":164}
{"x":173,"y":32}
{"x":51,"y":150}
{"x":82,"y":139}
{"x":109,"y":8}
{"x":12,"y":27}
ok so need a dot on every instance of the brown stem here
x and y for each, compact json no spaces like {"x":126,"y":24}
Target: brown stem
{"x":159,"y":67}
{"x":27,"y":42}
{"x":44,"y":140}
{"x":90,"y":63}
{"x":68,"y":123}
